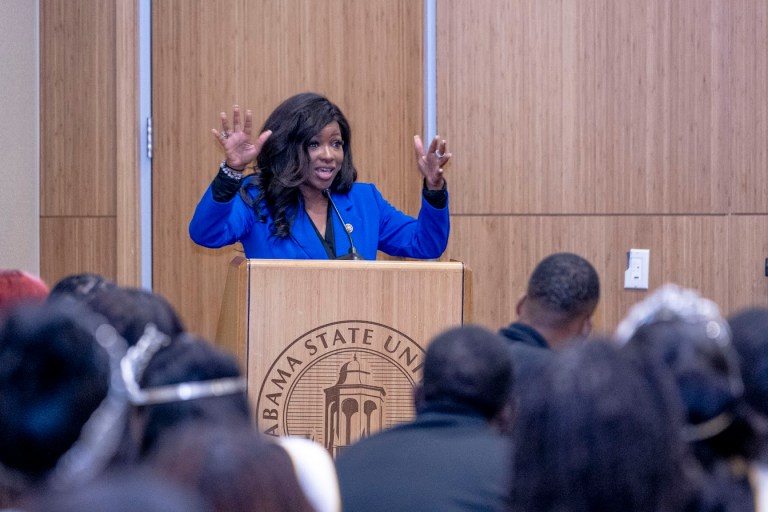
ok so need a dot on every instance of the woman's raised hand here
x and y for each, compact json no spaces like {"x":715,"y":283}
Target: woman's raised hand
{"x":237,"y":144}
{"x":432,"y":160}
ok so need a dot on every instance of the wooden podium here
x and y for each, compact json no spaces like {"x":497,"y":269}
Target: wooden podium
{"x":331,"y":349}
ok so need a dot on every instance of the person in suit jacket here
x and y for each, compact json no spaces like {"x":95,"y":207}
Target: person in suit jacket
{"x":304,"y":169}
{"x":450,"y":457}
{"x":561,"y":297}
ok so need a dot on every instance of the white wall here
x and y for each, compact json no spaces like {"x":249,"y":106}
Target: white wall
{"x":19,"y":135}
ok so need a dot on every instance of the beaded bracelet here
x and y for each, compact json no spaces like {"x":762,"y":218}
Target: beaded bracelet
{"x":232,"y":173}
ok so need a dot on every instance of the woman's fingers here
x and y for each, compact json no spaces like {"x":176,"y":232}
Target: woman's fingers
{"x":224,"y":122}
{"x":434,"y":143}
{"x":261,"y":140}
{"x":418,"y":148}
{"x":248,"y":125}
{"x":236,"y":118}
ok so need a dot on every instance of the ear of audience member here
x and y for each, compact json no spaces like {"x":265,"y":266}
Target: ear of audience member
{"x":19,"y":287}
{"x":683,"y":332}
{"x":130,"y":310}
{"x":593,"y":434}
{"x":80,"y":286}
{"x":233,"y":467}
{"x":127,"y":490}
{"x":185,"y":379}
{"x":62,"y":402}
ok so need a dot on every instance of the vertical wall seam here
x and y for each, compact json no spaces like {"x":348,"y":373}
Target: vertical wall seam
{"x":430,"y":70}
{"x":145,"y":164}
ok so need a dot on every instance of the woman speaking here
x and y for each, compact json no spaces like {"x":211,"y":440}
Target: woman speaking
{"x":303,"y":201}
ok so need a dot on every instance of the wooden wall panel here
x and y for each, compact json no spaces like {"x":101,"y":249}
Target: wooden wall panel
{"x":583,"y":106}
{"x":748,"y":253}
{"x":127,"y":151}
{"x":72,"y":245}
{"x":89,"y":133}
{"x":746,"y":23}
{"x":77,"y":108}
{"x":503,"y":250}
{"x":365,"y":56}
{"x":598,"y":126}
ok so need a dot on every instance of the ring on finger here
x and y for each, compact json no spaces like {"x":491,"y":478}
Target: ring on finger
{"x":439,"y":154}
{"x":224,"y":135}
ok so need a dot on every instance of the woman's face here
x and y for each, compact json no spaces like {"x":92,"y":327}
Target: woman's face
{"x":326,"y":154}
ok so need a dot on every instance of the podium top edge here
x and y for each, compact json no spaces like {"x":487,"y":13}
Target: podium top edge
{"x":354,"y":265}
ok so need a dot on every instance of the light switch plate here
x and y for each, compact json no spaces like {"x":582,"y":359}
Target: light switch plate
{"x":638,"y":268}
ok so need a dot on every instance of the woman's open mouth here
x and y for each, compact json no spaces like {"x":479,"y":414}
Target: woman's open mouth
{"x":325,"y":173}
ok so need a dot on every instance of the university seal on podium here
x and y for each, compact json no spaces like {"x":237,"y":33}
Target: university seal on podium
{"x":340,"y":382}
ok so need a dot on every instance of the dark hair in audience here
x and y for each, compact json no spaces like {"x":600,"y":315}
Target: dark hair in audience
{"x":130,"y":310}
{"x":704,"y":370}
{"x":127,"y":490}
{"x":594,"y":434}
{"x":189,"y":359}
{"x":468,"y":366}
{"x":80,"y":286}
{"x":52,"y":377}
{"x":283,"y":159}
{"x":749,"y":329}
{"x":684,"y":332}
{"x":234,"y":468}
{"x":565,"y":283}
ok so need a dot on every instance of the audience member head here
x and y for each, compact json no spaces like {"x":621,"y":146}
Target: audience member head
{"x":187,"y":379}
{"x":684,"y":332}
{"x":80,"y":286}
{"x":595,"y":434}
{"x":130,"y":310}
{"x":233,"y":467}
{"x":563,"y":292}
{"x":18,"y":287}
{"x":127,"y":490}
{"x":61,"y":396}
{"x":284,"y":159}
{"x":749,"y":329}
{"x":468,"y":367}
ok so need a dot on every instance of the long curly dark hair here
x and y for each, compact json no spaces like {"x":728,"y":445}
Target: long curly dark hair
{"x":283,"y":160}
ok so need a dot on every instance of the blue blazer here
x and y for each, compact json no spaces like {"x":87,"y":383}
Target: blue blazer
{"x":376,"y":225}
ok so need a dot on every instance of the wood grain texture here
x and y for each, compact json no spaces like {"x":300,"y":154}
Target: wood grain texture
{"x":89,"y":151}
{"x":748,"y":253}
{"x":232,"y":328}
{"x":74,"y":245}
{"x":746,"y":85}
{"x":127,"y":126}
{"x":307,"y":320}
{"x":503,"y":250}
{"x":365,"y":56}
{"x":604,"y":107}
{"x":77,"y":108}
{"x":599,"y":126}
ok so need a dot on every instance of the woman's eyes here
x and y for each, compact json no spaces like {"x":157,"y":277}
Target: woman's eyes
{"x":336,"y":144}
